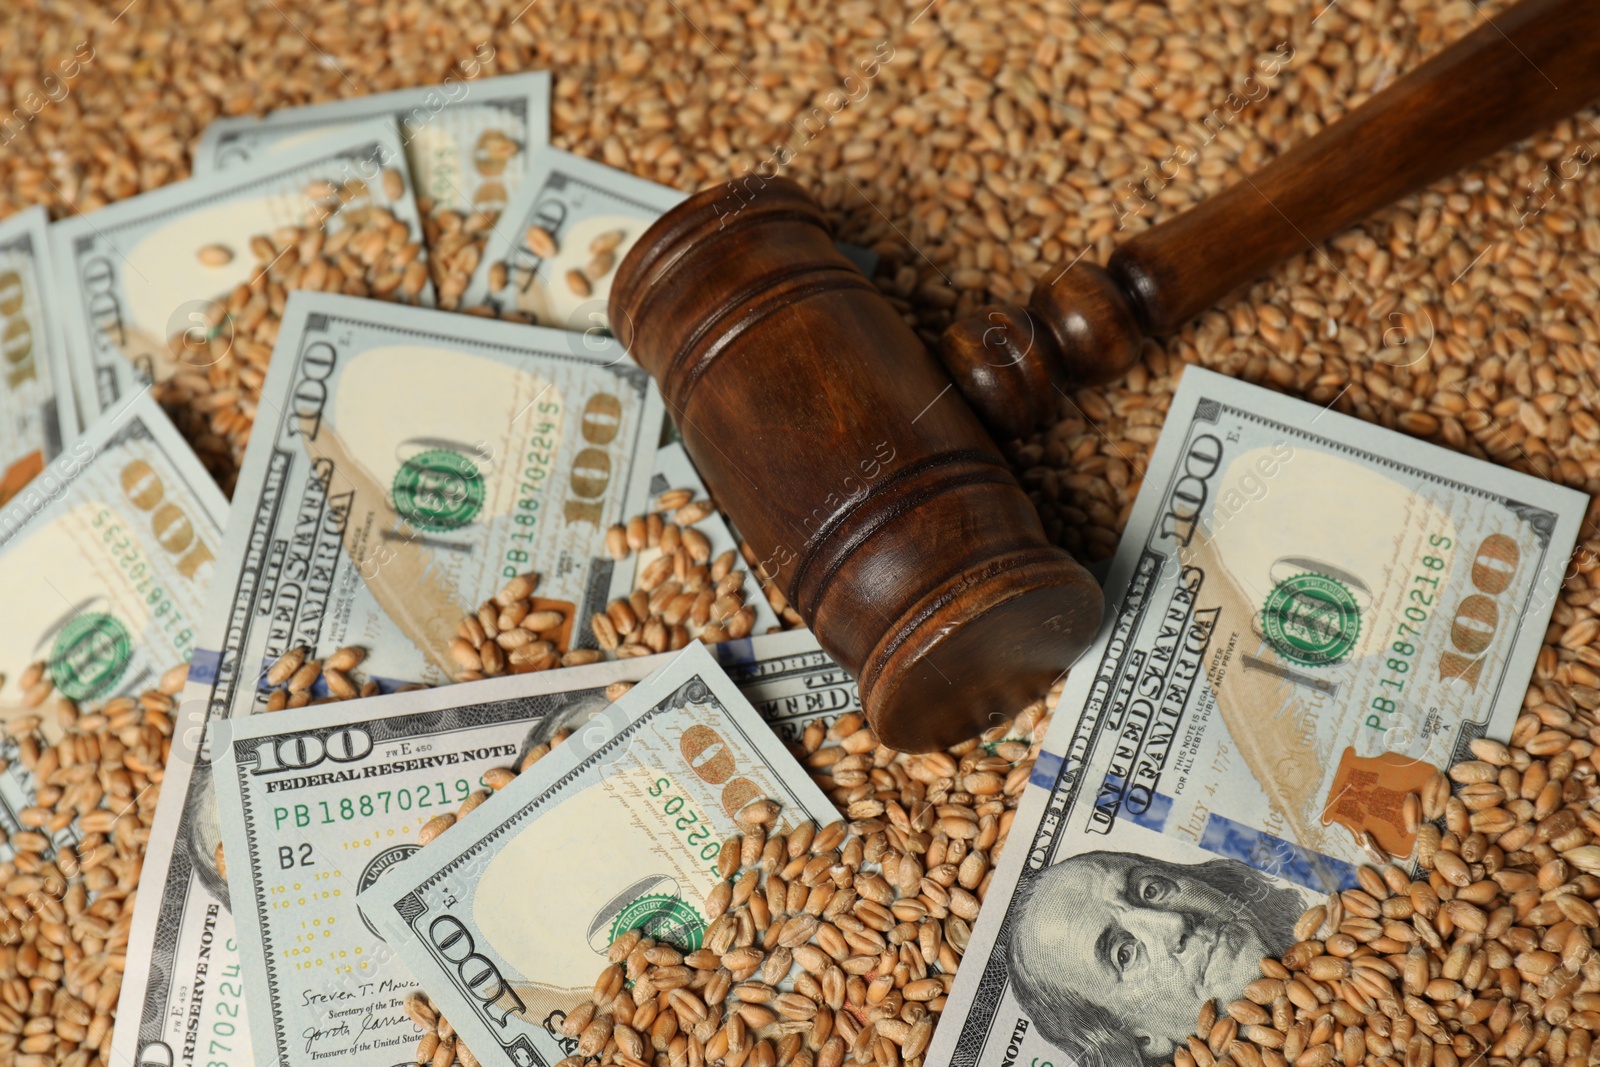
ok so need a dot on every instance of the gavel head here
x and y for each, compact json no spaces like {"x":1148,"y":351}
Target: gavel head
{"x":870,"y":494}
{"x":1010,"y":362}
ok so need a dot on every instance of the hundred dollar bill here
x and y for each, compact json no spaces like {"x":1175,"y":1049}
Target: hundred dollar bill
{"x":466,"y":141}
{"x":592,"y":214}
{"x":789,"y":680}
{"x":1316,"y":615}
{"x":318,"y":803}
{"x":37,"y":413}
{"x":404,"y":464}
{"x":139,"y":278}
{"x":619,"y":827}
{"x":586,"y":216}
{"x":105,"y":559}
{"x":675,"y":470}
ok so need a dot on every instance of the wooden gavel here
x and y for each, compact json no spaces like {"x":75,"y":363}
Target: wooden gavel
{"x":880,"y":506}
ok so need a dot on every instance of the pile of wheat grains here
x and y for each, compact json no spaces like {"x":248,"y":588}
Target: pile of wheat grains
{"x":1491,"y":959}
{"x":973,"y":145}
{"x":823,"y":942}
{"x":348,"y":241}
{"x":71,"y":873}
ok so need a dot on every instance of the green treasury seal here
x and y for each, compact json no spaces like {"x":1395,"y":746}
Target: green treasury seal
{"x":438,"y":490}
{"x":90,"y":655}
{"x":1311,"y":619}
{"x":666,"y":918}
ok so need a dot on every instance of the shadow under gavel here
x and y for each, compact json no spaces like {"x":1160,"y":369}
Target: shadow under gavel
{"x":878,"y":503}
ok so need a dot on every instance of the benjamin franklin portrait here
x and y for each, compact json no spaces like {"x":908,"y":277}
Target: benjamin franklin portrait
{"x":1113,"y":954}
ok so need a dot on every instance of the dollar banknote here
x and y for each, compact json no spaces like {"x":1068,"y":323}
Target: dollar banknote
{"x":404,"y":464}
{"x":141,"y":277}
{"x":105,"y":557}
{"x":555,"y":250}
{"x":1315,"y":616}
{"x":466,"y":141}
{"x":318,"y":803}
{"x":789,"y":679}
{"x":675,"y":470}
{"x":619,"y":827}
{"x":37,"y":413}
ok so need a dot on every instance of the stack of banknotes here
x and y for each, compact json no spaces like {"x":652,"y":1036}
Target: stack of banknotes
{"x":1307,"y":616}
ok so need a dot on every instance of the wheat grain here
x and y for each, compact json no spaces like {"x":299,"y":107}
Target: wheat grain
{"x":1492,"y":957}
{"x":70,"y":882}
{"x":348,"y":242}
{"x":995,"y":146}
{"x":541,"y":242}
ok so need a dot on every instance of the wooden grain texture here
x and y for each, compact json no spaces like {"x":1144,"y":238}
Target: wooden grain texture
{"x":1510,"y":77}
{"x":870,"y":493}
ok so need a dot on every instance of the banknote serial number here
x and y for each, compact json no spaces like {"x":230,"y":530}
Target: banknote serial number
{"x":367,"y":805}
{"x":230,"y":996}
{"x":538,"y":461}
{"x":590,"y":478}
{"x":695,"y":829}
{"x":1419,"y":608}
{"x":1420,"y":603}
{"x":165,"y":614}
{"x":1473,"y":626}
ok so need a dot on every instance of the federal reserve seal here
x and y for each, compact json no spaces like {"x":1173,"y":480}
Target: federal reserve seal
{"x":668,"y":919}
{"x":90,"y":655}
{"x":376,"y":868}
{"x":1311,"y":619}
{"x":438,"y":490}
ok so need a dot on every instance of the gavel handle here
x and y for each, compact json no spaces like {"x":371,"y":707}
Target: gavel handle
{"x":1514,"y":74}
